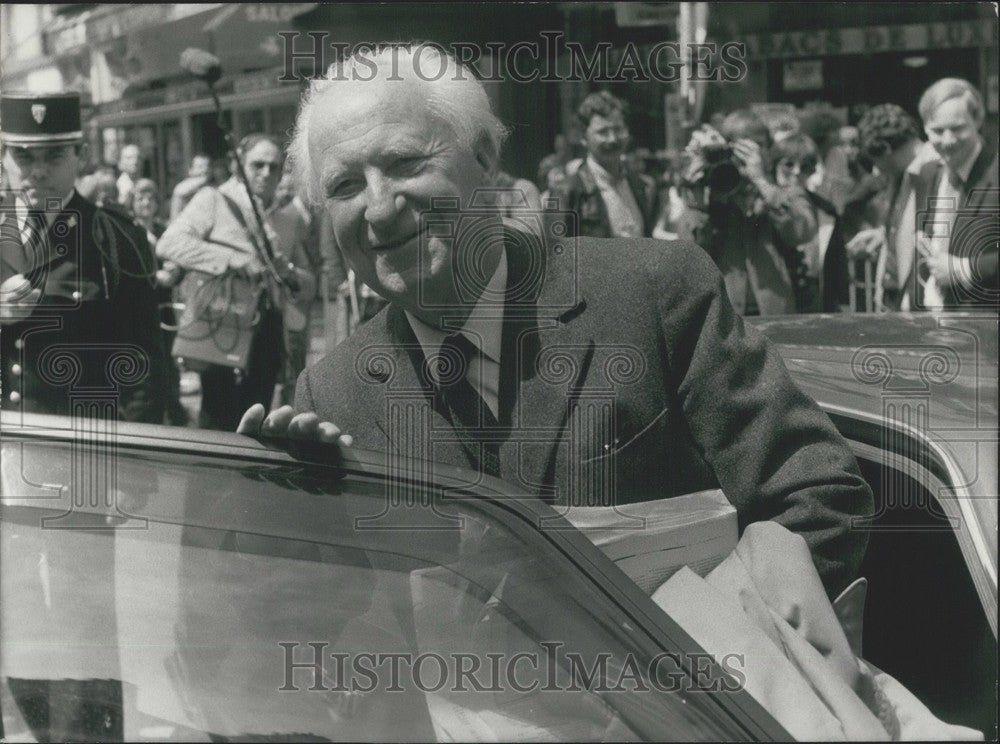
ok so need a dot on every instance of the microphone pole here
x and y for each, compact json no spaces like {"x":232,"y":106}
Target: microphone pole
{"x":207,"y":67}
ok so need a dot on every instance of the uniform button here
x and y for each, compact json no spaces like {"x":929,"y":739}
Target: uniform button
{"x":15,"y":397}
{"x":19,"y":343}
{"x":76,"y":295}
{"x":15,"y":369}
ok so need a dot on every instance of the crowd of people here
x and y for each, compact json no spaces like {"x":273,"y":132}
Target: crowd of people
{"x":495,"y":353}
{"x":803,"y":213}
{"x":793,"y":212}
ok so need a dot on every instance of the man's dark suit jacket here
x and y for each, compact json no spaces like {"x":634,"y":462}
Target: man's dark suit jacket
{"x":580,"y":194}
{"x":974,"y":233}
{"x":105,"y":341}
{"x":625,"y":376}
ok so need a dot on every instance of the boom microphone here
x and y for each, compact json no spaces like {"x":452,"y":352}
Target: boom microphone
{"x":203,"y":65}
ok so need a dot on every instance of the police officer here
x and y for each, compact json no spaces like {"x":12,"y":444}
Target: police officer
{"x":80,"y":331}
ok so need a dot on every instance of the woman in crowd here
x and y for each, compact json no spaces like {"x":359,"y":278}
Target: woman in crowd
{"x":145,"y":207}
{"x":818,"y":267}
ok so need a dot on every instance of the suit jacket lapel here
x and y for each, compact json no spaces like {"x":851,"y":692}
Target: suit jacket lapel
{"x":925,"y":186}
{"x":644,"y":199}
{"x":412,"y":421}
{"x":539,"y":370}
{"x":979,"y":177}
{"x":540,"y":366}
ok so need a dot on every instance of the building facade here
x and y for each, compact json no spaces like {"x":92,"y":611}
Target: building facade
{"x":539,"y":60}
{"x":125,"y":62}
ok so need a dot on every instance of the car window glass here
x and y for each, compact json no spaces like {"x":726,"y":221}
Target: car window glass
{"x":193,"y":597}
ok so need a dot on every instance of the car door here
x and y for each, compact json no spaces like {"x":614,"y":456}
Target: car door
{"x":209,"y":588}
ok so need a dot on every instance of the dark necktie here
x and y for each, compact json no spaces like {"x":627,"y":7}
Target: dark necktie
{"x":470,"y":416}
{"x":897,"y":229}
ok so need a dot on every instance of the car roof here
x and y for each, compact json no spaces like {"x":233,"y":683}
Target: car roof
{"x":855,"y":362}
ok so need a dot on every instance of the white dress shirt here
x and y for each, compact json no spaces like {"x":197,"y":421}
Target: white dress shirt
{"x":624,"y":214}
{"x":943,"y":224}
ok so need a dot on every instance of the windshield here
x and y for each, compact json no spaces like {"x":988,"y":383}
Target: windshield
{"x":201,"y":599}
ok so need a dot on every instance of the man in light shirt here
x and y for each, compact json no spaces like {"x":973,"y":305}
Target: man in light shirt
{"x":129,"y":161}
{"x":610,"y":201}
{"x":956,"y":264}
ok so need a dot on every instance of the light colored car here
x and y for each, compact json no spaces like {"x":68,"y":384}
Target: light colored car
{"x":170,"y":584}
{"x":916,"y":397}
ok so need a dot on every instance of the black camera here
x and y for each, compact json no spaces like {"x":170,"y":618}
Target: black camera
{"x":722,"y":171}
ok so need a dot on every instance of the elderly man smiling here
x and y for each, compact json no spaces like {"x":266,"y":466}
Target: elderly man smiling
{"x":585,"y":371}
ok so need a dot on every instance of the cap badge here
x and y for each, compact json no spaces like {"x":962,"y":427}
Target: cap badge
{"x":38,"y":112}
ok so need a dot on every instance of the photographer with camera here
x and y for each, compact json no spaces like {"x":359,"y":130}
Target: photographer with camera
{"x":747,"y":223}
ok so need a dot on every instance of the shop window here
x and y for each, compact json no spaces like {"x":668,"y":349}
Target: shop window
{"x":208,"y":138}
{"x":172,"y":152}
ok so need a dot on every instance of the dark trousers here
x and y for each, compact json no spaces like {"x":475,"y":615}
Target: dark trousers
{"x":175,"y":413}
{"x":226,"y":395}
{"x":296,"y":348}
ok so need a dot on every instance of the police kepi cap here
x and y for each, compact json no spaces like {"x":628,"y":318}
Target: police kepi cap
{"x":40,"y":119}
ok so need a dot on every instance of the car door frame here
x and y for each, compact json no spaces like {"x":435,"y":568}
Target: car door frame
{"x":644,"y":622}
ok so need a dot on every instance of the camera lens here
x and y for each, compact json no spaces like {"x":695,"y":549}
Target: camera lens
{"x":724,"y":178}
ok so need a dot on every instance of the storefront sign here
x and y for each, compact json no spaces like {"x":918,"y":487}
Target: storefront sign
{"x":275,"y":12}
{"x":803,"y":75}
{"x":645,"y":14}
{"x":871,"y":40}
{"x":127,"y":19}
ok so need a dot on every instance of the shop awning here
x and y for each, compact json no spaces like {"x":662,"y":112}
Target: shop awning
{"x":145,"y":44}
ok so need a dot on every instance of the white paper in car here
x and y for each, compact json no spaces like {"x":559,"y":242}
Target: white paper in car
{"x":651,"y":540}
{"x":453,"y":616}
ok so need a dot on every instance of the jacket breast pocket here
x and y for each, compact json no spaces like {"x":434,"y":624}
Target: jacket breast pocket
{"x":616,"y":464}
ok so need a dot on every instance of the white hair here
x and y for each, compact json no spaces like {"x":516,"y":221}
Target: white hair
{"x":454,"y":97}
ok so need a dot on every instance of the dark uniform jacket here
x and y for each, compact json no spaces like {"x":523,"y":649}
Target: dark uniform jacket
{"x":975,"y":230}
{"x":618,"y":385}
{"x":580,"y":194}
{"x":94,"y":338}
